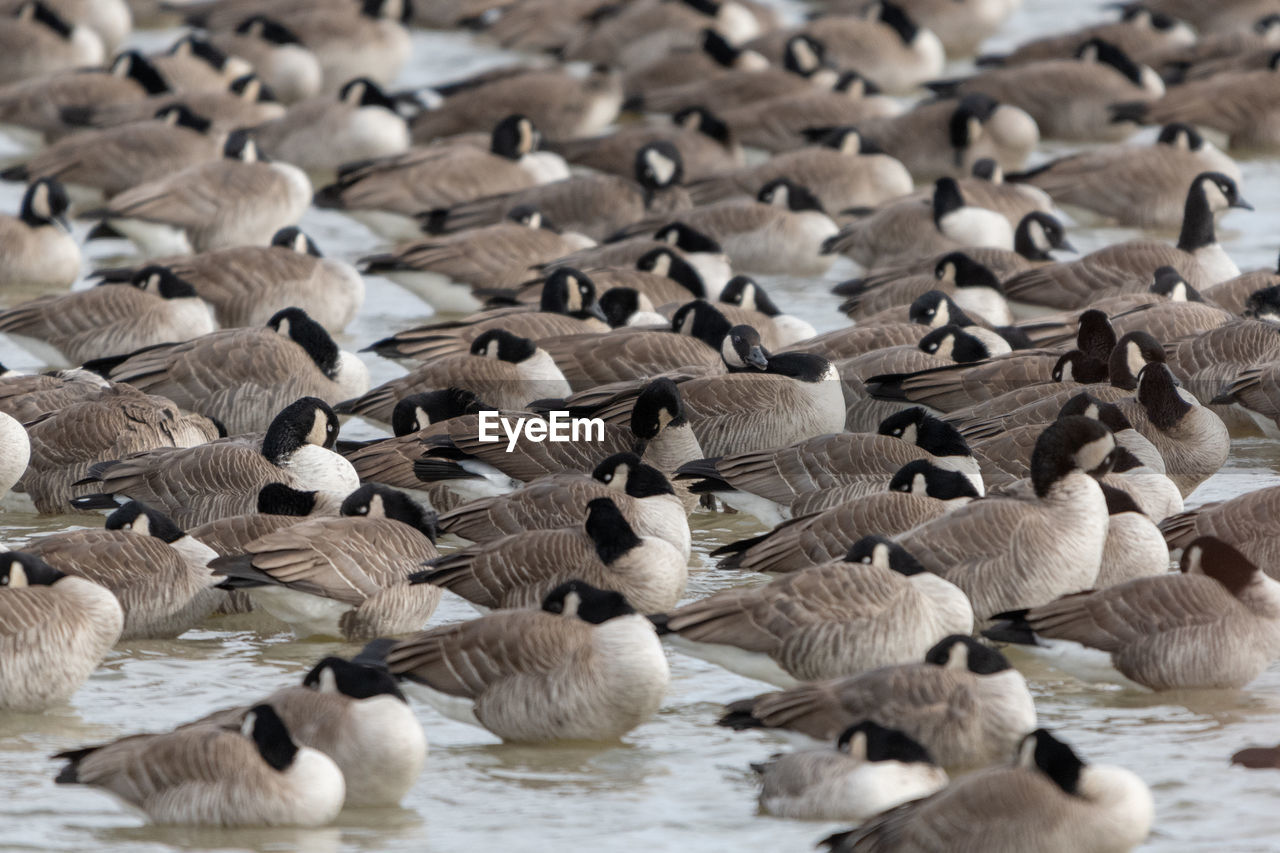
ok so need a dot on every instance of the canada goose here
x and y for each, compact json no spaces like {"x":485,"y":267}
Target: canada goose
{"x":1135,"y":548}
{"x":31,"y":110}
{"x":446,"y":270}
{"x":241,"y":376}
{"x":324,"y":132}
{"x":342,"y":577}
{"x":193,"y":64}
{"x":237,"y":200}
{"x":568,"y":306}
{"x":37,"y":41}
{"x":17,"y":452}
{"x":156,"y":307}
{"x":877,"y":606}
{"x":960,"y":26}
{"x":802,"y":69}
{"x":641,"y":491}
{"x":1035,"y":237}
{"x":795,"y":396}
{"x":781,"y":231}
{"x":1119,"y":267}
{"x":945,"y":137}
{"x":964,"y":703}
{"x":385,"y":194}
{"x":110,"y":19}
{"x":907,"y":229}
{"x":765,"y":481}
{"x":36,"y":246}
{"x":870,"y":770}
{"x":699,"y":332}
{"x":221,"y":478}
{"x":1217,"y":626}
{"x":245,"y":103}
{"x":276,"y":54}
{"x":788,"y":122}
{"x":278,"y":506}
{"x":1244,"y":521}
{"x":1206,"y":364}
{"x":594,"y":205}
{"x":847,"y":171}
{"x":1099,"y":75}
{"x":972,"y":285}
{"x":353,"y":712}
{"x":706,"y":145}
{"x":585,"y":666}
{"x":560,"y":105}
{"x":97,"y":164}
{"x":256,"y":775}
{"x":1138,"y":185}
{"x":504,"y":369}
{"x":1049,"y":795}
{"x":1170,"y":319}
{"x":919,"y":491}
{"x":763,"y":314}
{"x":1140,"y":33}
{"x":156,"y":570}
{"x":1032,"y":560}
{"x":1217,"y":103}
{"x":521,"y":570}
{"x":1191,"y":438}
{"x":248,"y":285}
{"x":887,"y":46}
{"x":57,"y":629}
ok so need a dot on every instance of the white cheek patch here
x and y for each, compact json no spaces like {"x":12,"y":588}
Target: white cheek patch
{"x":958,"y":657}
{"x":664,"y":168}
{"x":1135,"y":358}
{"x":857,"y":746}
{"x":919,"y":484}
{"x":851,"y":144}
{"x":17,"y":575}
{"x":1039,"y":239}
{"x":945,"y":347}
{"x":491,"y":351}
{"x":319,"y":429}
{"x":909,"y":434}
{"x":328,"y":681}
{"x":1090,"y":456}
{"x":1217,"y":201}
{"x":805,"y":58}
{"x":880,"y":556}
{"x":662,"y":265}
{"x":300,"y":244}
{"x":40,"y":202}
{"x":572,"y":601}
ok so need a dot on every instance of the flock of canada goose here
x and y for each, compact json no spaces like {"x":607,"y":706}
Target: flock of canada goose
{"x":993,"y":450}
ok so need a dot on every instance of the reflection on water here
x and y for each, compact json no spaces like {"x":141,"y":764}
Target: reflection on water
{"x":678,"y":782}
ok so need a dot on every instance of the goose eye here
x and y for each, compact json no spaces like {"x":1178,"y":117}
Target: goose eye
{"x":608,"y":478}
{"x":932,"y":347}
{"x":4,"y":581}
{"x":866,"y":560}
{"x":897,"y":431}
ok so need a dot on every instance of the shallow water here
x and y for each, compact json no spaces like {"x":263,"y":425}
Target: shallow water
{"x":678,"y":782}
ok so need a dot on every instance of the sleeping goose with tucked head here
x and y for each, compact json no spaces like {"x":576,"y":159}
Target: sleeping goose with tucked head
{"x":585,"y":666}
{"x":254,"y":775}
{"x":964,"y":703}
{"x":875,"y":607}
{"x":1216,"y":624}
{"x":55,"y":628}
